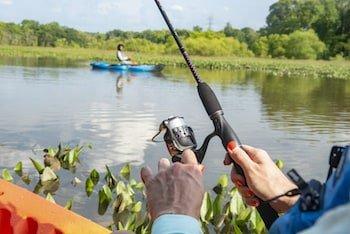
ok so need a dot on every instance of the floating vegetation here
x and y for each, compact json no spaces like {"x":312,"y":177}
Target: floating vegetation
{"x":222,"y":211}
{"x":276,"y":67}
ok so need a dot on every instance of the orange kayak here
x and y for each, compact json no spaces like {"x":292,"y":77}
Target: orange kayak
{"x":23,"y":212}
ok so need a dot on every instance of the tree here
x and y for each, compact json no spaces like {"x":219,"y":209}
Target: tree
{"x":277,"y":45}
{"x":197,"y":29}
{"x":261,"y":47}
{"x":287,"y":16}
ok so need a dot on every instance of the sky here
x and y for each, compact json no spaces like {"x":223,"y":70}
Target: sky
{"x":136,"y":15}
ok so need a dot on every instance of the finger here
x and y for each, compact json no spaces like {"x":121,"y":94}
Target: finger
{"x":237,"y":179}
{"x":253,"y":201}
{"x":241,"y":158}
{"x":146,"y":174}
{"x":257,"y":155}
{"x":163,"y":164}
{"x":245,"y":192}
{"x":188,"y":157}
{"x":227,"y":160}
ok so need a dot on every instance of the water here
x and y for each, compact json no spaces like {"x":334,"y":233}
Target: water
{"x":294,"y":119}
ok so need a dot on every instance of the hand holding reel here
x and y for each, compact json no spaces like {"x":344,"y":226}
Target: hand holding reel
{"x":179,"y":136}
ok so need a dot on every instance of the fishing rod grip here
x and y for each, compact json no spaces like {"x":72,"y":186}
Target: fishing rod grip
{"x":230,"y":140}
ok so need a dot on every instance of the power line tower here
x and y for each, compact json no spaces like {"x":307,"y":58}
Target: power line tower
{"x":210,"y":22}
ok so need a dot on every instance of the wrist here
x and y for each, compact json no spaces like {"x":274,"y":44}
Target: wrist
{"x":284,"y":203}
{"x":180,"y":211}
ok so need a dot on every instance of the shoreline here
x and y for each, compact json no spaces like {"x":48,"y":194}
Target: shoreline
{"x":275,"y":67}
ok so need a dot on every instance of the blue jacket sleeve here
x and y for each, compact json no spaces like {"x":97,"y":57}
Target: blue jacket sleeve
{"x":176,"y":224}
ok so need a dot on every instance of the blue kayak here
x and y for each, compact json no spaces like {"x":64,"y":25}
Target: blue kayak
{"x":125,"y":67}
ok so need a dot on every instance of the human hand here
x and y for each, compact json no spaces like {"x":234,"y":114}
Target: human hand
{"x":263,"y":178}
{"x":176,"y":189}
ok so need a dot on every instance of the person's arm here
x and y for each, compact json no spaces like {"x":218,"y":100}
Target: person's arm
{"x":174,"y":195}
{"x":263,"y":178}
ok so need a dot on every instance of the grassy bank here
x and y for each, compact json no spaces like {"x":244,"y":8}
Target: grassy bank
{"x":277,"y":67}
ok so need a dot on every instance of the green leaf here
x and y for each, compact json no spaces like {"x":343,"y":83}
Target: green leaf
{"x":18,"y":168}
{"x":279,"y":164}
{"x":94,"y":176}
{"x":236,"y":202}
{"x":48,"y":175}
{"x":125,"y":171}
{"x":135,"y":185}
{"x":120,"y":226}
{"x":104,"y":198}
{"x":50,"y":198}
{"x":69,"y":204}
{"x":51,"y":151}
{"x":38,"y":166}
{"x":110,"y":178}
{"x":71,"y":157}
{"x":243,"y":216}
{"x":120,"y":187}
{"x":89,"y":186}
{"x":217,"y":205}
{"x":236,"y":228}
{"x":223,"y":181}
{"x":89,"y":146}
{"x":136,"y":208}
{"x":206,"y":211}
{"x":6,"y":175}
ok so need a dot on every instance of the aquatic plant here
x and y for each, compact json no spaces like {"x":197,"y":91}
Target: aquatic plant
{"x":222,"y":211}
{"x":275,"y":67}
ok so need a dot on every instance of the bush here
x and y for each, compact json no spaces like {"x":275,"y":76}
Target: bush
{"x":211,"y":44}
{"x":261,"y":47}
{"x":304,"y":45}
{"x":277,"y":45}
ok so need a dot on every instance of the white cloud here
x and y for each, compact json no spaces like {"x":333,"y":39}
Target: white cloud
{"x":177,"y":8}
{"x":6,"y":2}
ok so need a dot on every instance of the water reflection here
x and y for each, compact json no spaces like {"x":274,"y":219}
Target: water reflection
{"x":294,"y":119}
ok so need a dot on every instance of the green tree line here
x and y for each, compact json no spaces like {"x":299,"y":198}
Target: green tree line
{"x":296,"y":29}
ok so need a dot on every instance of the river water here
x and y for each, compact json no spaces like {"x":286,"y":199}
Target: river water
{"x":46,"y":102}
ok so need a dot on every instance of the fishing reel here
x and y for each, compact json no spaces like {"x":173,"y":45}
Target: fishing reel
{"x":179,"y":136}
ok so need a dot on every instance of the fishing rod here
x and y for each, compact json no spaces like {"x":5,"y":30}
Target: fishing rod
{"x":212,"y":106}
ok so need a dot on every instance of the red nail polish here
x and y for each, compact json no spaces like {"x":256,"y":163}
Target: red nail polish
{"x":256,"y":203}
{"x":250,"y":193}
{"x":238,"y":183}
{"x":231,"y":145}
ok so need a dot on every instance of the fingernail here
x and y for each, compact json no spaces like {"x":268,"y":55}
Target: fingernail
{"x":231,"y":146}
{"x":249,"y":193}
{"x":238,"y":183}
{"x":255,"y":203}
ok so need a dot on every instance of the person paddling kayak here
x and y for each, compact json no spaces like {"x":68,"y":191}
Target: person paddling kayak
{"x":122,"y":57}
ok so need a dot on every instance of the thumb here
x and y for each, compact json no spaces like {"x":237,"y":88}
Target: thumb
{"x":189,"y":157}
{"x":240,"y":157}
